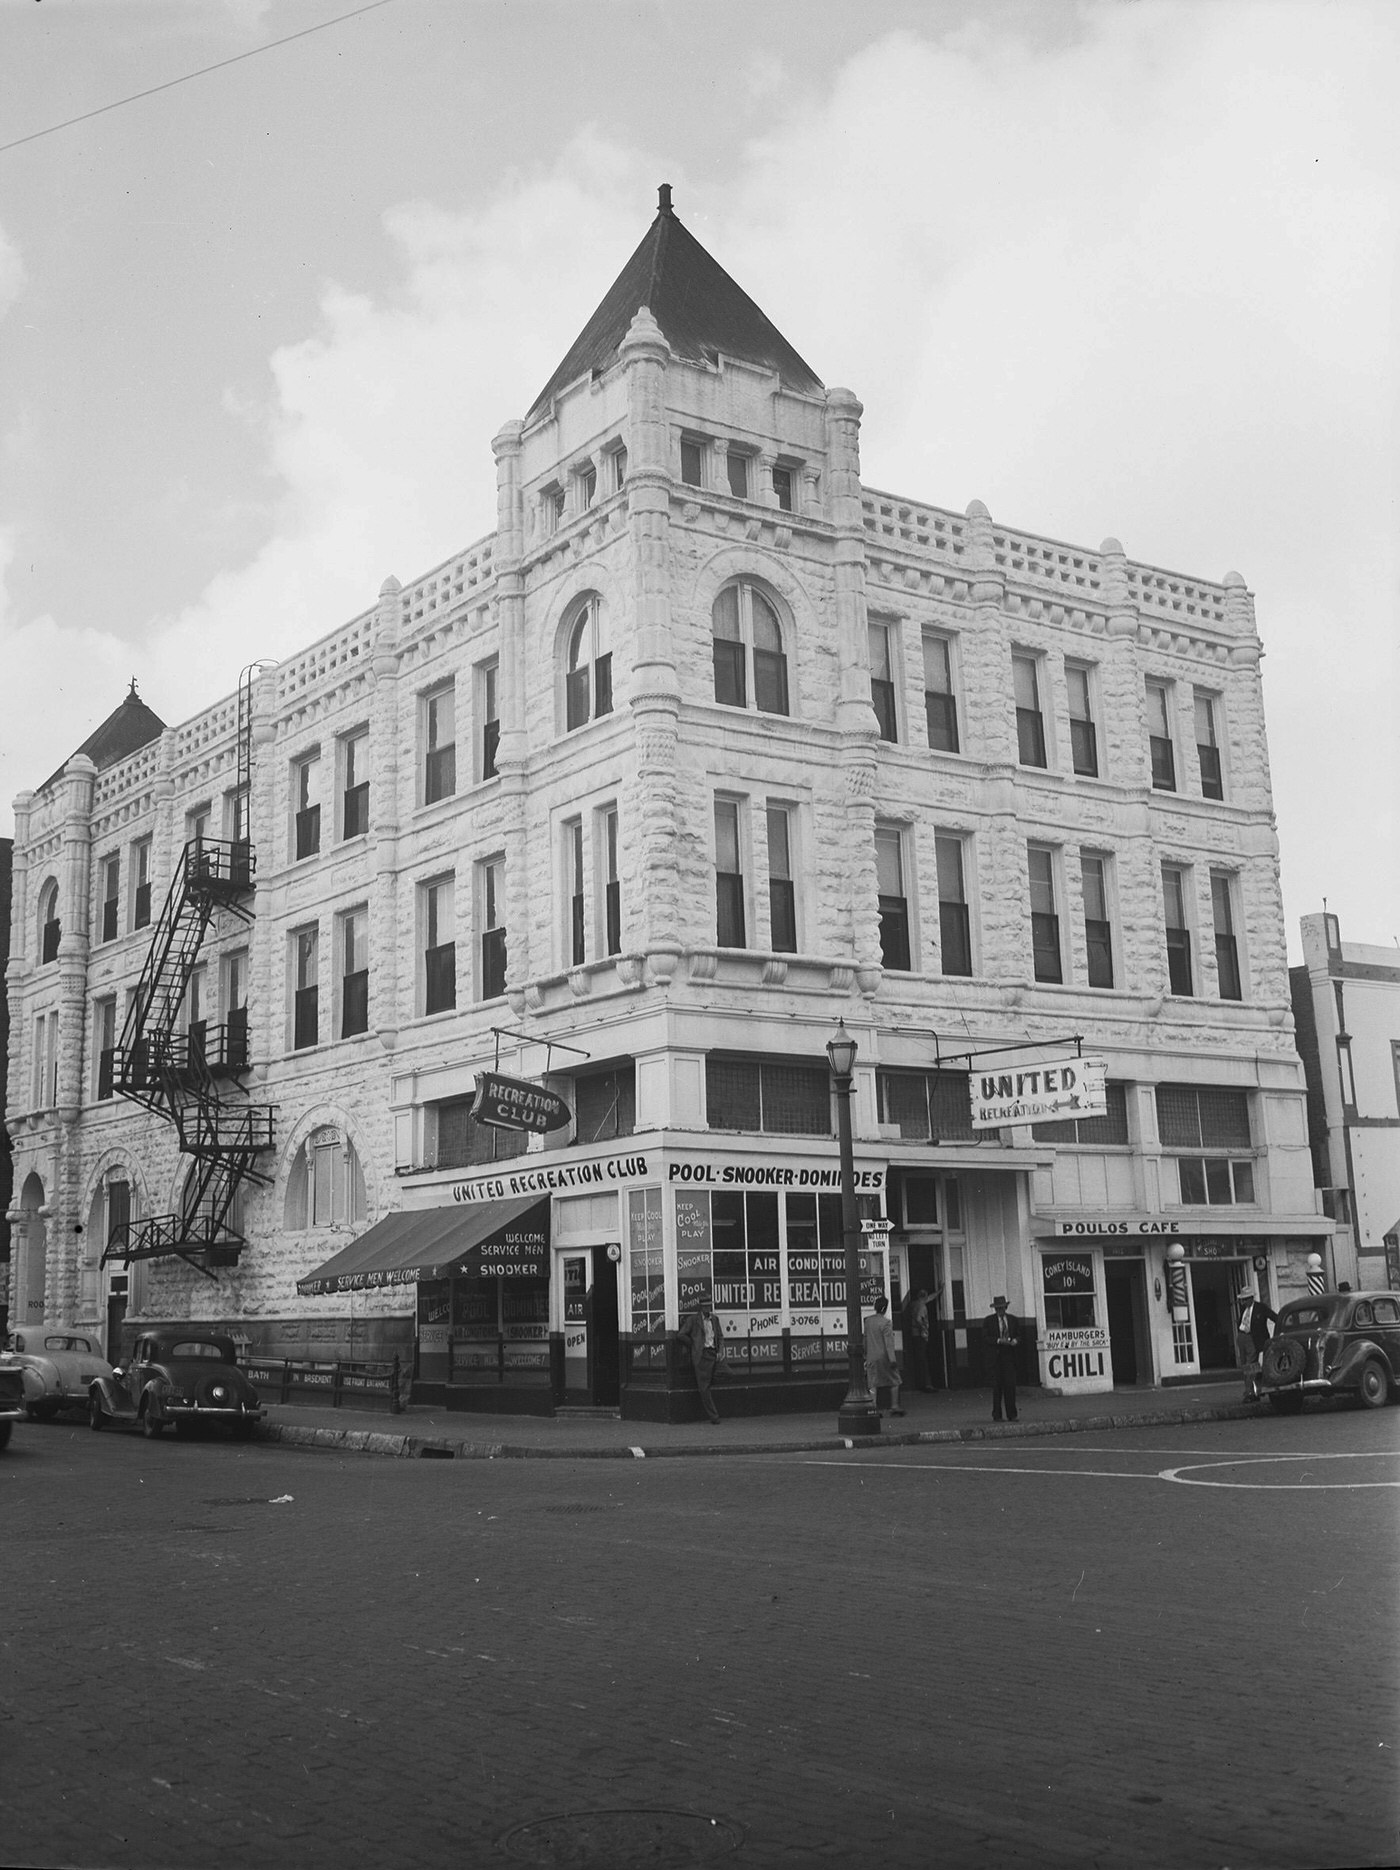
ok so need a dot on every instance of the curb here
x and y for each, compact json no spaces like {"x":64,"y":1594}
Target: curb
{"x":436,"y":1448}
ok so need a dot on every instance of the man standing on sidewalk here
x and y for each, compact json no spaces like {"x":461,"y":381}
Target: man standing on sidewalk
{"x":1252,"y":1336}
{"x":703,"y":1336}
{"x":1002,"y":1330}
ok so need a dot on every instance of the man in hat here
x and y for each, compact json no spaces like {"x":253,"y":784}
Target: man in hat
{"x":1002,"y":1330}
{"x":702,"y":1335}
{"x":1252,"y":1339}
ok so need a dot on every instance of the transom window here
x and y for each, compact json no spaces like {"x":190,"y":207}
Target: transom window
{"x":748,"y":636}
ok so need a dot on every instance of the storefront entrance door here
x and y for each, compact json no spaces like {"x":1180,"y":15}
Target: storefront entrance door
{"x":1125,"y":1289}
{"x":1213,"y":1285}
{"x":591,"y":1347}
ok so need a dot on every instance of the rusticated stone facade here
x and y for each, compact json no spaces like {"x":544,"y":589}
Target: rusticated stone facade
{"x":633,"y":499}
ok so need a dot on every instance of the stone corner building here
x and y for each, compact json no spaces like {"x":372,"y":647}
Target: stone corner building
{"x":707,"y":747}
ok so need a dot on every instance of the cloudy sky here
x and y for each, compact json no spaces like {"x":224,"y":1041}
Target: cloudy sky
{"x":1111,"y":268}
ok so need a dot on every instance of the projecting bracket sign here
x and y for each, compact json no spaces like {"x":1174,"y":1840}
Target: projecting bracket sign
{"x":1059,"y":1088}
{"x":517,"y":1104}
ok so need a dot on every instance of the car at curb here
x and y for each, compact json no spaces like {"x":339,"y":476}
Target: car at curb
{"x":57,"y":1369}
{"x":1334,"y":1344}
{"x":189,"y":1380}
{"x":11,"y":1403}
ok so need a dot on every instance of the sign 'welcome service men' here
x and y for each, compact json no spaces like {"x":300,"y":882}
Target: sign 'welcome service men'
{"x":1068,"y":1087}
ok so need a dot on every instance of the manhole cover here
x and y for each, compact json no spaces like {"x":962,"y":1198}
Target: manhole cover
{"x":623,"y":1840}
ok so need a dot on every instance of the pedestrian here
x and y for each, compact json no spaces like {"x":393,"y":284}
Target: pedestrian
{"x":1002,"y":1330}
{"x":916,"y":1338}
{"x":1252,"y":1335}
{"x":703,"y":1336}
{"x":880,"y":1365}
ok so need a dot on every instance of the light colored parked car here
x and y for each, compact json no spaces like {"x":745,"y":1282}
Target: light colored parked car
{"x":11,"y":1403}
{"x":57,"y":1368}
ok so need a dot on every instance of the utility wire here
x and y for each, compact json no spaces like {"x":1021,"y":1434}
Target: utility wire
{"x":203,"y":72}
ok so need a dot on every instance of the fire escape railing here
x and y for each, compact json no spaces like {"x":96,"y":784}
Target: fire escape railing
{"x":188,"y":1072}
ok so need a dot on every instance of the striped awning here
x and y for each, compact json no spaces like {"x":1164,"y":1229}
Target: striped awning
{"x":510,"y":1237}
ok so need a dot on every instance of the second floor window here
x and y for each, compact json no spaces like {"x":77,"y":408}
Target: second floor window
{"x":1098,"y":931}
{"x":1045,"y":917}
{"x":104,"y":1024}
{"x":44,"y":1086}
{"x":940,"y":700}
{"x":354,"y":973}
{"x":306,"y":1005}
{"x":439,"y":948}
{"x":1175,"y":900}
{"x":1227,"y":954}
{"x":782,"y":899}
{"x":111,"y":893}
{"x":587,"y":666}
{"x":785,"y":1097}
{"x":1212,"y":1123}
{"x":354,"y":795}
{"x":954,"y":926}
{"x":1030,"y":723}
{"x":235,"y":1003}
{"x":439,"y":743}
{"x":729,"y":876}
{"x":306,"y":779}
{"x":1083,"y":735}
{"x":605,"y":1104}
{"x":612,"y":883}
{"x":893,"y":901}
{"x":747,"y":635}
{"x":882,"y":685}
{"x":491,"y":896}
{"x":576,"y":882}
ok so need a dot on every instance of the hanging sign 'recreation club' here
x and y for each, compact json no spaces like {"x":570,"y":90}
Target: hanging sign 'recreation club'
{"x":516,"y":1104}
{"x":1058,"y":1088}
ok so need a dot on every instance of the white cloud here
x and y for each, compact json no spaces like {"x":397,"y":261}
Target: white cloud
{"x":12,"y":273}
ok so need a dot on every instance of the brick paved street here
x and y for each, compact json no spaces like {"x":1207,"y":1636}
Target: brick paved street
{"x":1019,"y":1654}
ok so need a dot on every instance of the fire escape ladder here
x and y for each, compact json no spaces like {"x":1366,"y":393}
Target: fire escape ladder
{"x":175,"y":1071}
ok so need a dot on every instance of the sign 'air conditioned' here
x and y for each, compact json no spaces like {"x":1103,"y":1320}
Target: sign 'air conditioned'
{"x":516,"y":1104}
{"x":1060,"y":1088}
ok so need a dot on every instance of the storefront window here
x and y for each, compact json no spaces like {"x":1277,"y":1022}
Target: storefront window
{"x":1068,"y":1281}
{"x":647,"y":1279}
{"x":500,"y":1330}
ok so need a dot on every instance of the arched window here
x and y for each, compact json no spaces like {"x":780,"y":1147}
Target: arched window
{"x":587,"y":665}
{"x":50,"y":928}
{"x":326,"y":1183}
{"x":747,"y":632}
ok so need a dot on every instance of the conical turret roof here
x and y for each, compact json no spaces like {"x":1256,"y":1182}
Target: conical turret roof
{"x":130,"y":725}
{"x":699,"y":308}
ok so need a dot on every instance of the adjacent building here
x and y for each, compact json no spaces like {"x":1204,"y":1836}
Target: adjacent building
{"x":1346,"y":1002}
{"x":707,"y":747}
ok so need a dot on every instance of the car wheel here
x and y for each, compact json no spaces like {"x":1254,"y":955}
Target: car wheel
{"x":1374,"y":1387}
{"x":5,"y":1428}
{"x":150,"y":1427}
{"x":1289,"y":1404}
{"x":96,"y":1416}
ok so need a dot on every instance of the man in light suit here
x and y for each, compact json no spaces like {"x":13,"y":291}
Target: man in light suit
{"x":702,"y":1335}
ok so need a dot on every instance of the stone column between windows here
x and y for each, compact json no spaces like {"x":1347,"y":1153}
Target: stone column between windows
{"x":267,"y":950}
{"x":24,"y":954}
{"x":1124,"y":758}
{"x":651,"y":826}
{"x":387,"y":733}
{"x":511,"y":749}
{"x":855,"y":715}
{"x":75,"y":895}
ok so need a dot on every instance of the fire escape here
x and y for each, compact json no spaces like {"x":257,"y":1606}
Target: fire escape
{"x":186,"y":1070}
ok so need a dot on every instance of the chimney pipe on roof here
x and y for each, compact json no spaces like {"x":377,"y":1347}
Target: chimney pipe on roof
{"x":663,"y":198}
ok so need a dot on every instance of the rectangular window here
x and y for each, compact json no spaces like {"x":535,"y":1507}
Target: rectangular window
{"x":462,"y":1142}
{"x":45,"y":1074}
{"x":782,"y":899}
{"x":1159,"y":736}
{"x":882,"y":686}
{"x":575,"y":883}
{"x":940,"y":700}
{"x":237,"y":831}
{"x":1030,"y":723}
{"x":605,"y":1104}
{"x":1083,"y":735}
{"x":781,"y":1097}
{"x":1175,"y":899}
{"x":729,"y":876}
{"x":197,"y":825}
{"x":111,"y":894}
{"x":894,"y":903}
{"x":196,"y":1017}
{"x":1199,"y":1116}
{"x":306,"y":805}
{"x":439,"y":731}
{"x":104,"y":1028}
{"x":354,"y":784}
{"x":692,"y":461}
{"x":1107,"y":1131}
{"x":439,"y":946}
{"x":1214,"y":1181}
{"x":586,"y":483}
{"x":306,"y":991}
{"x":954,"y":925}
{"x":491,"y":903}
{"x":1208,"y":747}
{"x":141,"y":883}
{"x":488,"y":717}
{"x":738,"y":466}
{"x":618,"y":461}
{"x":1098,"y":928}
{"x":354,"y":973}
{"x":612,"y":883}
{"x":928,"y":1107}
{"x":235,"y":1005}
{"x":782,"y":487}
{"x":1045,"y":919}
{"x":1227,"y":954}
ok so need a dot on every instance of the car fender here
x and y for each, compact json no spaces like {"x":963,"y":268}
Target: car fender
{"x":153,"y":1401}
{"x":1346,"y":1372}
{"x":112,"y":1396}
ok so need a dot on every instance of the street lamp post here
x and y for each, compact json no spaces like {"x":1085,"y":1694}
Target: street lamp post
{"x":858,"y":1414}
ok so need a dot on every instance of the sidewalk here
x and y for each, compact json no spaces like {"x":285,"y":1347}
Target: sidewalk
{"x":946,"y":1415}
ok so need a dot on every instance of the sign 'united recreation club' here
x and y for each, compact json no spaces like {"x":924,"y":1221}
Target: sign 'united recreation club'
{"x":1059,"y":1088}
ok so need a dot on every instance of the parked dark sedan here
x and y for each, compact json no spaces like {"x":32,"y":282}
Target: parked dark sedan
{"x":190,"y":1378}
{"x":1334,"y":1344}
